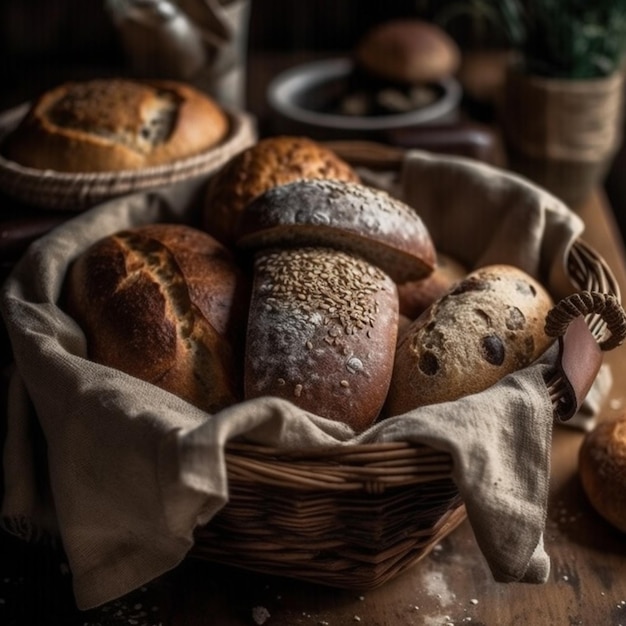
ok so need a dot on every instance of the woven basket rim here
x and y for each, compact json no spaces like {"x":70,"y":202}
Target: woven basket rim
{"x":49,"y":189}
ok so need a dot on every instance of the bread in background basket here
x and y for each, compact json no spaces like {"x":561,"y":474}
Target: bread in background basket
{"x":83,"y":142}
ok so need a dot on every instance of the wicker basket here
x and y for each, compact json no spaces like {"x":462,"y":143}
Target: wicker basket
{"x":63,"y":191}
{"x":354,"y":517}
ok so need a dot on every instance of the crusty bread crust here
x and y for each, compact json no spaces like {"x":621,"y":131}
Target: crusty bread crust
{"x":110,"y":125}
{"x":602,"y":470}
{"x":160,"y":303}
{"x":349,"y":216}
{"x":489,"y":325}
{"x":321,"y":333}
{"x":270,"y":162}
{"x":408,"y":51}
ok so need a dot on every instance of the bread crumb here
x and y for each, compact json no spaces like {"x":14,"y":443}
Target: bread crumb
{"x":260,"y":615}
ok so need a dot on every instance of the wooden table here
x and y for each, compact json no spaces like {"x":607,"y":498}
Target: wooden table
{"x":452,"y":585}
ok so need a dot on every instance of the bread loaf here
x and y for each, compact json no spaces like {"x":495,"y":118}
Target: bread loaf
{"x":109,"y":125}
{"x":417,"y":295}
{"x":602,"y":470}
{"x":489,"y":325}
{"x":270,"y":162}
{"x":407,"y":51}
{"x":348,"y":216}
{"x":324,"y":307}
{"x":321,"y":333}
{"x":163,"y":303}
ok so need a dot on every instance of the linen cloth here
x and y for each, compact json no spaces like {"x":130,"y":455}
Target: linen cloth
{"x":125,"y":471}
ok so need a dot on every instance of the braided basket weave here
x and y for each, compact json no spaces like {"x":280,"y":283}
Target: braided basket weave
{"x":354,"y":517}
{"x":72,"y":192}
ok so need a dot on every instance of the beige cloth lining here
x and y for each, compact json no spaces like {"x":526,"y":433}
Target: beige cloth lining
{"x":133,"y":469}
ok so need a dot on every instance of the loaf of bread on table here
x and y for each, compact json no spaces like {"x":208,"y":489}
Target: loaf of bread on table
{"x":113,"y":124}
{"x":164,"y":303}
{"x":602,"y":470}
{"x":270,"y":162}
{"x":489,"y":325}
{"x":323,"y":316}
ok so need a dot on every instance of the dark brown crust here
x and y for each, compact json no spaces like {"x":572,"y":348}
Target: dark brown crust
{"x":321,"y":333}
{"x":270,"y":162}
{"x":408,"y":51}
{"x":96,"y":124}
{"x":416,"y":296}
{"x":348,"y":216}
{"x":160,"y":303}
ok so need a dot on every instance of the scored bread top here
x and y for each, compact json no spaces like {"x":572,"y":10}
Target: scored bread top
{"x":270,"y":162}
{"x":115,"y":124}
{"x":160,"y":303}
{"x":343,"y":215}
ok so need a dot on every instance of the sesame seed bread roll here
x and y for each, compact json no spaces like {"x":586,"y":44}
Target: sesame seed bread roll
{"x":489,"y":325}
{"x":321,"y":333}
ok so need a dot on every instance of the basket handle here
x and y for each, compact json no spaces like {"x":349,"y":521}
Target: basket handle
{"x":604,"y":306}
{"x":580,"y":322}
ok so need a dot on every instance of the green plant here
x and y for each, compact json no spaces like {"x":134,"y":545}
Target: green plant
{"x":567,"y":38}
{"x":557,"y":38}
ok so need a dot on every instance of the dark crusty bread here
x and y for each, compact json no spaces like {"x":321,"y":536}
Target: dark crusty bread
{"x":321,"y":333}
{"x":407,"y":51}
{"x":489,"y":325}
{"x":348,"y":216}
{"x":270,"y":162}
{"x":602,"y":470}
{"x":417,"y":295}
{"x":163,"y":303}
{"x":109,"y":125}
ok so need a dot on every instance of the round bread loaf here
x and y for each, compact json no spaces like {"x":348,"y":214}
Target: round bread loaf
{"x":407,"y":51}
{"x":163,"y":303}
{"x":270,"y":162}
{"x":489,"y":325}
{"x":417,"y":295}
{"x":602,"y":470}
{"x":348,"y":216}
{"x":321,"y":333}
{"x":109,"y":125}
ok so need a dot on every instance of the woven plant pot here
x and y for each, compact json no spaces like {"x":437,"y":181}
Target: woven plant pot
{"x":560,"y":133}
{"x":63,"y":191}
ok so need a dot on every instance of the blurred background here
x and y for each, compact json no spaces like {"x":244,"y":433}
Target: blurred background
{"x":45,"y":41}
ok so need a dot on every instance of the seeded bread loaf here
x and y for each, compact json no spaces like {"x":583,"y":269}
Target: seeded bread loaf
{"x":106,"y":125}
{"x":163,"y":303}
{"x":489,"y":325}
{"x":602,"y":470}
{"x":324,"y":305}
{"x":270,"y":162}
{"x":321,"y":333}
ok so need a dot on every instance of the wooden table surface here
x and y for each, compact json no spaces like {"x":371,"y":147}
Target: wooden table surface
{"x":452,"y":585}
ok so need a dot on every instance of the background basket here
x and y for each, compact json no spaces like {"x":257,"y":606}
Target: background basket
{"x":353,"y":517}
{"x":64,"y":191}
